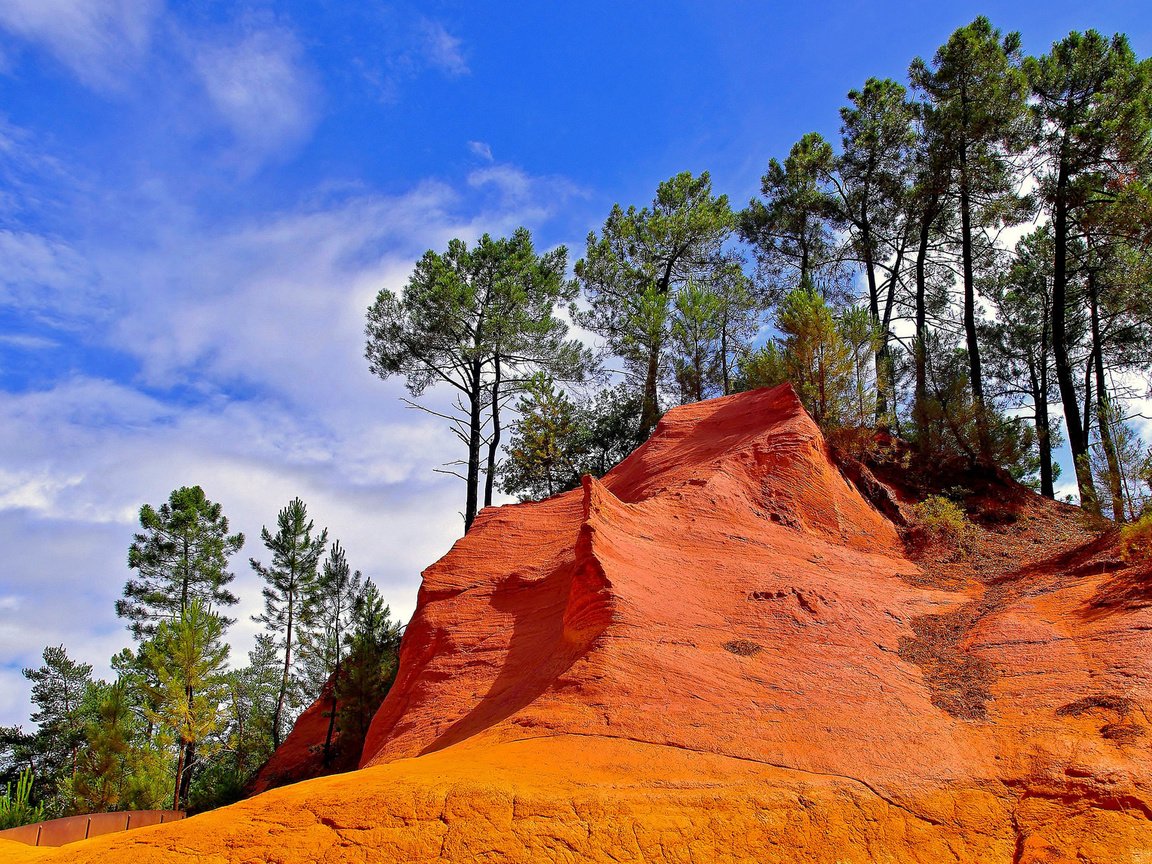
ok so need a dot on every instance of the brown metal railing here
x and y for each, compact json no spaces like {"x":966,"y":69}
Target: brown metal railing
{"x":57,"y":832}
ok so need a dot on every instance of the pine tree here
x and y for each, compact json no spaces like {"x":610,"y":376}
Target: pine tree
{"x":181,"y":555}
{"x":544,"y":454}
{"x":295,"y":557}
{"x":695,"y":338}
{"x":1021,"y":343}
{"x":59,"y":687}
{"x":873,"y":179}
{"x":473,"y":318}
{"x":328,"y":615}
{"x":793,"y":230}
{"x":978,"y":95}
{"x":817,"y":360}
{"x":1093,"y":103}
{"x":634,"y":269}
{"x":188,"y":656}
{"x":373,"y":658}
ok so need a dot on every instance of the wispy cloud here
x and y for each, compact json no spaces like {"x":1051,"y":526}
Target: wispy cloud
{"x":101,"y":41}
{"x":481,"y":149}
{"x":440,"y":49}
{"x":260,"y":86}
{"x":513,"y":190}
{"x":249,"y":379}
{"x":410,"y":47}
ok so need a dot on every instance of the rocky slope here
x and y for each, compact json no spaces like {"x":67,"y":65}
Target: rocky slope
{"x":723,"y":652}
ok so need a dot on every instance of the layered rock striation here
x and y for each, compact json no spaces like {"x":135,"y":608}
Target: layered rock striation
{"x":721,"y":651}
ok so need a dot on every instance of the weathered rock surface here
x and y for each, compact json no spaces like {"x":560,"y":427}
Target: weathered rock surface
{"x":722,"y":652}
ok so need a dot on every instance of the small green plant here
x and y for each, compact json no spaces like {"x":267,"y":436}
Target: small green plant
{"x":1136,"y":538}
{"x":16,"y":809}
{"x":944,"y":521}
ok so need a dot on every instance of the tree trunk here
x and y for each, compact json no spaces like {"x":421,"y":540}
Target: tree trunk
{"x":474,"y":428}
{"x":970,"y":337}
{"x":186,"y":576}
{"x":698,"y":372}
{"x":1037,"y":386}
{"x":494,"y":444}
{"x":1103,"y":413}
{"x":284,"y":679}
{"x":874,"y":310}
{"x":327,"y":757}
{"x":1077,"y":440}
{"x":920,"y":360}
{"x":650,"y":408}
{"x":179,"y":775}
{"x":724,"y":373}
{"x":189,"y":761}
{"x":885,"y":353}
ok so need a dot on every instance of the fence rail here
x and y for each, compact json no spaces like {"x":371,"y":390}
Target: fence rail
{"x":57,"y":832}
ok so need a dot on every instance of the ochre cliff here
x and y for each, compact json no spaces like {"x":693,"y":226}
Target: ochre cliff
{"x":722,"y":652}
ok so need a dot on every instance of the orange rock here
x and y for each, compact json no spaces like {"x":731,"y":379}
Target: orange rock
{"x":721,"y":652}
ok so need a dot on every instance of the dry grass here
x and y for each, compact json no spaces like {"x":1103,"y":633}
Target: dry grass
{"x":743,"y":648}
{"x":1136,"y":538}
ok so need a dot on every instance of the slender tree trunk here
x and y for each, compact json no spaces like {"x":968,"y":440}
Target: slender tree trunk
{"x":494,"y":444}
{"x":475,"y":426}
{"x":805,"y":276}
{"x":179,"y":775}
{"x":287,"y":668}
{"x":189,"y":761}
{"x":327,"y":758}
{"x":650,"y":408}
{"x":1077,"y":439}
{"x":884,"y":354}
{"x":970,"y":337}
{"x":1088,"y":400}
{"x":874,"y":310}
{"x":698,"y":371}
{"x":1103,"y":412}
{"x":1038,"y":389}
{"x":238,"y":712}
{"x":185,"y":577}
{"x":920,"y":362}
{"x":724,"y":373}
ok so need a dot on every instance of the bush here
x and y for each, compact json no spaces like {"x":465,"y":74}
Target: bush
{"x":1136,"y":538}
{"x":945,"y":522}
{"x":16,"y":809}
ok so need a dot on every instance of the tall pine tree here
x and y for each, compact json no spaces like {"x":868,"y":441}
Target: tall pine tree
{"x":295,"y":558}
{"x":181,"y":555}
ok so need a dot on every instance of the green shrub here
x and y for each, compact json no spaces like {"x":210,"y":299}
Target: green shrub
{"x":1136,"y":538}
{"x":15,"y":808}
{"x":945,"y":522}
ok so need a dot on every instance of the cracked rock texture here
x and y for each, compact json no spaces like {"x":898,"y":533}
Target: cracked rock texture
{"x":722,"y":652}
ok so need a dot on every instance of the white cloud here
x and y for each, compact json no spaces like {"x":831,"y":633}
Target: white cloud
{"x":514,"y":190}
{"x":479,"y":148}
{"x":251,"y":383}
{"x":45,"y":275}
{"x":409,"y":47}
{"x":259,"y":85}
{"x":441,"y":49}
{"x":99,"y":40}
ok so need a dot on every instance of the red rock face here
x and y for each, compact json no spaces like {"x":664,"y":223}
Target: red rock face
{"x":300,"y":755}
{"x":721,"y":652}
{"x":726,"y":591}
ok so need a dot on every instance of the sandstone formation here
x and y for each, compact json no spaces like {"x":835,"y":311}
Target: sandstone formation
{"x":722,"y":651}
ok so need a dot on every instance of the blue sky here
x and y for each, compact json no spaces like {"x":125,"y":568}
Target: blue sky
{"x":198,"y":201}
